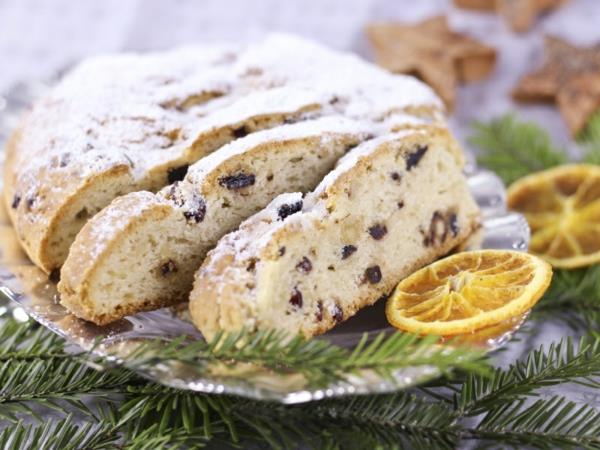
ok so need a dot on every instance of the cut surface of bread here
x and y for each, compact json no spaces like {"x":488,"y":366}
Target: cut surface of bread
{"x":125,"y":123}
{"x":392,"y":205}
{"x":142,"y":251}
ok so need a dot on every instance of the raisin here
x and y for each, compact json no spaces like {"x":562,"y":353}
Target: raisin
{"x":434,"y":233}
{"x":168,"y":267}
{"x":304,"y":265}
{"x":281,"y":251}
{"x":54,"y":276}
{"x":289,"y":209}
{"x":82,"y":214}
{"x":64,"y":159}
{"x":373,"y":274}
{"x":270,"y":177}
{"x":30,"y":201}
{"x":395,"y":176}
{"x":337,"y":313}
{"x":237,"y":181}
{"x":453,"y":222}
{"x":252,"y":264}
{"x":400,"y":204}
{"x":412,"y":159}
{"x":16,"y":201}
{"x":197,"y":210}
{"x":378,"y":231}
{"x":347,"y":250}
{"x":296,"y":298}
{"x":174,"y":194}
{"x":319,"y":310}
{"x":240,"y":132}
{"x":177,"y":173}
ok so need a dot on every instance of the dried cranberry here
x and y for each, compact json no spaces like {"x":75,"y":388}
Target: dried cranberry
{"x":373,"y":274}
{"x":168,"y":267}
{"x":296,"y":298}
{"x":412,"y":159}
{"x":237,"y":181}
{"x":347,"y":250}
{"x":16,"y":201}
{"x":251,"y":264}
{"x":304,"y":265}
{"x":240,"y":132}
{"x":319,"y":310}
{"x":30,"y":201}
{"x":337,"y":313}
{"x":434,"y":233}
{"x":54,"y":276}
{"x":289,"y":209}
{"x":64,"y":159}
{"x":177,"y":173}
{"x":453,"y":222}
{"x":197,"y":210}
{"x":400,"y":204}
{"x":378,"y":231}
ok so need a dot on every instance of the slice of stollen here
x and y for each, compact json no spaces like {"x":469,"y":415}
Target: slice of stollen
{"x":392,"y":205}
{"x":141,"y":251}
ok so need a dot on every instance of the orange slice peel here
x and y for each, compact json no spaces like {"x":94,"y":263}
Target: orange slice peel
{"x":562,"y":207}
{"x":468,"y":291}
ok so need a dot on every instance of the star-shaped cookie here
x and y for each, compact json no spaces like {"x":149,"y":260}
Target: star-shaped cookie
{"x":519,"y":14}
{"x":570,"y":77}
{"x":431,"y":51}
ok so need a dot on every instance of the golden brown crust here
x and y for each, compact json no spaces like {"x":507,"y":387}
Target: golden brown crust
{"x":92,"y":245}
{"x":233,"y":288}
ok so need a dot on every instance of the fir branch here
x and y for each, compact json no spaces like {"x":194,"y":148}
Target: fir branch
{"x":574,"y":295}
{"x":320,"y":362}
{"x":546,"y":424}
{"x":590,"y":140}
{"x":513,"y":149}
{"x":63,"y":434}
{"x":562,"y":362}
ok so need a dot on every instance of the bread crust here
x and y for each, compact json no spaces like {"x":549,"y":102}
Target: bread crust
{"x":239,"y":284}
{"x":126,"y":121}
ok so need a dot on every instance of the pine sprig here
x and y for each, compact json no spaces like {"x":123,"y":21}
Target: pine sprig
{"x":62,"y":434}
{"x":574,"y":296}
{"x":562,"y":362}
{"x":317,"y":360}
{"x":546,"y":424}
{"x":590,"y":140}
{"x":513,"y":148}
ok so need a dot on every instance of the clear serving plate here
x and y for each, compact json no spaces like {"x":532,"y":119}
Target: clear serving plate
{"x":32,"y":293}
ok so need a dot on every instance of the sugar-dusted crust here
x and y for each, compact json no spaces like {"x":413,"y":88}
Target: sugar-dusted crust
{"x":124,"y":123}
{"x":142,"y":250}
{"x":392,"y":205}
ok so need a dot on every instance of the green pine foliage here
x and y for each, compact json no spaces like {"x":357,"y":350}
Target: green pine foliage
{"x":52,"y":398}
{"x":320,"y":362}
{"x":513,"y":148}
{"x":502,"y":406}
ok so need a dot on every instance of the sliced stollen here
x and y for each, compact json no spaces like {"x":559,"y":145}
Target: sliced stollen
{"x":392,"y":205}
{"x":141,"y":251}
{"x":124,"y":123}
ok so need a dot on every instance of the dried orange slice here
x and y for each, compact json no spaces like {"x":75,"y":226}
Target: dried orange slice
{"x":562,"y":207}
{"x":468,"y":291}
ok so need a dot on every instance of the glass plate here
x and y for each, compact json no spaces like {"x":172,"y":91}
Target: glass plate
{"x":32,"y":293}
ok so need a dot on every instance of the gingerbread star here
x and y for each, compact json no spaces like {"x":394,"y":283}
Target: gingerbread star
{"x":570,"y":77}
{"x":520,"y":14}
{"x":430,"y":50}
